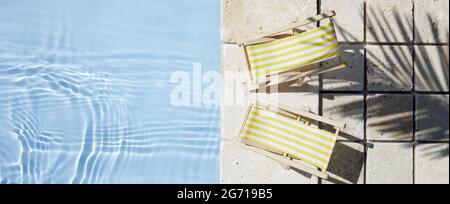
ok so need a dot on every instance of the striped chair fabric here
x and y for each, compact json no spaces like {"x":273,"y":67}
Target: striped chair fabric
{"x":293,"y":52}
{"x":284,"y":134}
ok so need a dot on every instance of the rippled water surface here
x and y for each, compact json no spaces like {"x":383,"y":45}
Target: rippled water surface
{"x":84,"y":91}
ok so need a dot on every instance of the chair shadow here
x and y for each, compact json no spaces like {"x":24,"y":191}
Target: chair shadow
{"x":346,"y":164}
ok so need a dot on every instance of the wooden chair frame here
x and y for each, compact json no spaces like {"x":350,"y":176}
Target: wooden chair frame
{"x":283,"y":158}
{"x":295,"y":75}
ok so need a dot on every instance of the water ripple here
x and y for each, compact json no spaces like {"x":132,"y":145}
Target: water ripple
{"x":84,"y":90}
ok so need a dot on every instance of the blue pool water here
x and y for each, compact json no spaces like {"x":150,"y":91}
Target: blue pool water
{"x":85,"y":91}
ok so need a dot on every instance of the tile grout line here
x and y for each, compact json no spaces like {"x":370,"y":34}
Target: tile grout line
{"x":379,"y":43}
{"x":394,"y":43}
{"x":408,"y":142}
{"x":365,"y":92}
{"x":414,"y":93}
{"x":319,"y":10}
{"x":387,"y":92}
{"x":394,"y":141}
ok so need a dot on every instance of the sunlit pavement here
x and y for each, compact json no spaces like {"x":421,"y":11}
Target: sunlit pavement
{"x":394,"y":96}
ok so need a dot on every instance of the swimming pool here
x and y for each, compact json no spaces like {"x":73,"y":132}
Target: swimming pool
{"x":85,"y":91}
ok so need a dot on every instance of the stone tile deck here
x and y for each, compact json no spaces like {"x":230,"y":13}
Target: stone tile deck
{"x":390,"y":163}
{"x":389,"y":21}
{"x":394,"y":95}
{"x":389,"y":68}
{"x":389,"y":117}
{"x":431,"y":163}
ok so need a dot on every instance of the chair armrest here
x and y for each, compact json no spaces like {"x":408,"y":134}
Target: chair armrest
{"x":323,"y":70}
{"x":290,"y":27}
{"x":259,"y":41}
{"x":303,"y":113}
{"x":292,"y":77}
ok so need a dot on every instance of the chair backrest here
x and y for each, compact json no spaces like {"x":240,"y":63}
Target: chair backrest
{"x":291,"y":53}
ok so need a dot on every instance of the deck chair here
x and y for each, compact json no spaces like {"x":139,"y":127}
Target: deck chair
{"x":278,"y":57}
{"x":289,"y":136}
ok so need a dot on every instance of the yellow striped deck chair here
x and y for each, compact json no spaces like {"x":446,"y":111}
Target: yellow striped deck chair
{"x":268,"y":55}
{"x":287,"y":134}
